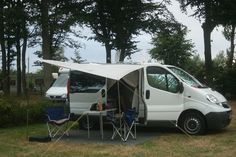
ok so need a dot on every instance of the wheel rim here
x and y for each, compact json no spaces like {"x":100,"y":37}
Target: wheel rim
{"x":192,"y":125}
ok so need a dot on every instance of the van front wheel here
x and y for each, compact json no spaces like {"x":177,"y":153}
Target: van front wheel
{"x":193,"y":123}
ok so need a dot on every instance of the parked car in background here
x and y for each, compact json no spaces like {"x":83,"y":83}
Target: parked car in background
{"x":58,"y":90}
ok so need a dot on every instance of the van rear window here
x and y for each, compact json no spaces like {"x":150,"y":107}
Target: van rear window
{"x":81,"y":82}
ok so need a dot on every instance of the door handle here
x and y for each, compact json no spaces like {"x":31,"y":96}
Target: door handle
{"x":147,"y":94}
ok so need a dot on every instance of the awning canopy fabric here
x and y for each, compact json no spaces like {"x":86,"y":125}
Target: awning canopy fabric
{"x":111,"y":71}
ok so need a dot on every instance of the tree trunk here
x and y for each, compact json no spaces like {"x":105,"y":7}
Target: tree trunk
{"x":18,"y":62}
{"x":9,"y":46}
{"x":108,"y":53}
{"x":122,"y":55}
{"x":207,"y":29}
{"x":24,"y":65}
{"x":46,"y":43}
{"x":232,"y":47}
{"x":3,"y":49}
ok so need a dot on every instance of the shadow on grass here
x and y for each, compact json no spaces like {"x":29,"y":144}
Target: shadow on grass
{"x":143,"y":134}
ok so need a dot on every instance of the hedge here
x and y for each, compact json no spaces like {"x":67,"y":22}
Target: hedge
{"x":14,"y":112}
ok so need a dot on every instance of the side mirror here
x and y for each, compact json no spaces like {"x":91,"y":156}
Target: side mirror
{"x":55,"y":75}
{"x":181,"y":87}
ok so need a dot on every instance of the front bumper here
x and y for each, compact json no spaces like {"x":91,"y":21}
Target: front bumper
{"x":218,"y":120}
{"x":56,"y":98}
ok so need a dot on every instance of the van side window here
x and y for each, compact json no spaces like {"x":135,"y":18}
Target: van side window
{"x":162,"y":79}
{"x":81,"y":82}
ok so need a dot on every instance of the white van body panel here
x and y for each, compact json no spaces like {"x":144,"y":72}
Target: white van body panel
{"x":195,"y":98}
{"x":163,"y":105}
{"x":80,"y":102}
{"x":167,"y":106}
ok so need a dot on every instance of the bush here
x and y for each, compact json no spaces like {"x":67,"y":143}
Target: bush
{"x":14,"y":111}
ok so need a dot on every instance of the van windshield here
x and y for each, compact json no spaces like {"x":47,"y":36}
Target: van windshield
{"x":61,"y":81}
{"x":187,"y":78}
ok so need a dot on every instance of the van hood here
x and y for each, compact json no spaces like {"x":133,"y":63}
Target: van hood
{"x":219,"y":96}
{"x":56,"y":91}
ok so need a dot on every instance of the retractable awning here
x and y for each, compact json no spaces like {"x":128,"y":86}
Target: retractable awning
{"x":111,"y":71}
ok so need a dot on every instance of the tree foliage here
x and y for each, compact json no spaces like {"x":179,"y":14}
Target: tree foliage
{"x":115,"y":23}
{"x":34,"y":22}
{"x":78,"y":58}
{"x":55,"y":23}
{"x":172,"y":46}
{"x":195,"y":66}
{"x":212,"y":12}
{"x":229,"y":34}
{"x":15,"y":23}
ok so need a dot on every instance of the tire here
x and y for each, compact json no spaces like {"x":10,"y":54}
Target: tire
{"x":193,"y":123}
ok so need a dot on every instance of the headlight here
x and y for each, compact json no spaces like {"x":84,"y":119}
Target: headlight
{"x":212,"y":99}
{"x":64,"y":96}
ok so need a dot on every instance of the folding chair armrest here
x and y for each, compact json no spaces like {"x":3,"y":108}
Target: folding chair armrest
{"x":48,"y":117}
{"x":68,"y":117}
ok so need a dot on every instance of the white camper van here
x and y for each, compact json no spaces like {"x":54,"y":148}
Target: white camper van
{"x":161,"y":94}
{"x":58,"y":90}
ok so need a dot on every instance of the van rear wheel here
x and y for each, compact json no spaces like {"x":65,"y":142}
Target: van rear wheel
{"x":193,"y":123}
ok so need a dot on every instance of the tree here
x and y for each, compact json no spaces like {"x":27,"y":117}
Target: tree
{"x":213,"y":13}
{"x":20,"y":24}
{"x":126,"y":15}
{"x":195,"y":66}
{"x":229,"y":34}
{"x":115,"y":23}
{"x":78,"y":58}
{"x":56,"y":22}
{"x":30,"y":22}
{"x":14,"y":31}
{"x":44,"y":8}
{"x":131,"y":17}
{"x":3,"y":48}
{"x":97,"y":16}
{"x":220,"y":60}
{"x":204,"y":9}
{"x":172,"y":47}
{"x":220,"y":72}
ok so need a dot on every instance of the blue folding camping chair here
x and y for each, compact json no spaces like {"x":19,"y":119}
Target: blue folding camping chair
{"x":130,"y":119}
{"x":57,"y":120}
{"x":116,"y":125}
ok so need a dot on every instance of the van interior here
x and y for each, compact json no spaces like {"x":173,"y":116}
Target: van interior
{"x":130,"y":88}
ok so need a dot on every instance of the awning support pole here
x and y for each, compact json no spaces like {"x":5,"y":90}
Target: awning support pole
{"x":118,"y":89}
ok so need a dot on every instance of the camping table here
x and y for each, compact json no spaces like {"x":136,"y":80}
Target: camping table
{"x":100,"y":114}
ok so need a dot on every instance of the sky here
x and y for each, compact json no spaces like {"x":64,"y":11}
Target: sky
{"x":93,"y":51}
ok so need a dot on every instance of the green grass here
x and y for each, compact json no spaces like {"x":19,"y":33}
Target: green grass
{"x":13,"y":143}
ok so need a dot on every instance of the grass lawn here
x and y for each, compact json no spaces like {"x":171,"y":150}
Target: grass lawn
{"x":13,"y":142}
